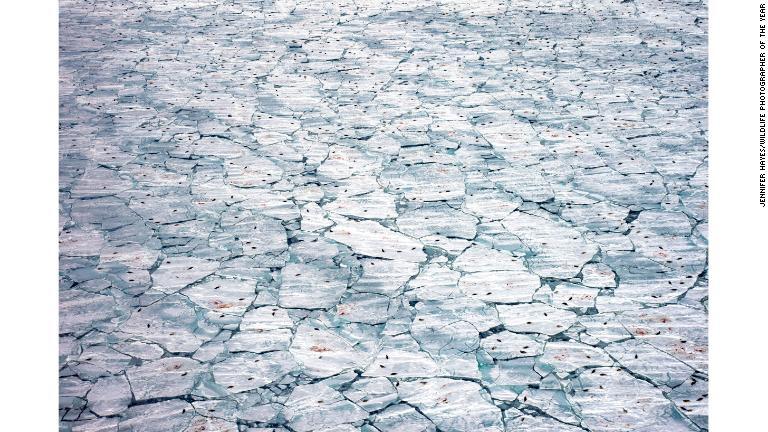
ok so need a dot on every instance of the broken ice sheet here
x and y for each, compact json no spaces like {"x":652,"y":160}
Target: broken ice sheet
{"x":604,"y":400}
{"x":308,"y":287}
{"x":551,"y":401}
{"x":506,"y":378}
{"x":256,"y":234}
{"x":402,"y":418}
{"x":569,"y":296}
{"x":173,"y":414}
{"x":536,"y":318}
{"x":401,"y":357}
{"x":81,"y":311}
{"x":507,"y":345}
{"x":559,"y":250}
{"x":525,"y":182}
{"x":365,"y":308}
{"x":171,"y":323}
{"x":449,"y":341}
{"x":435,"y":282}
{"x":534,"y":423}
{"x":247,"y":371}
{"x":267,"y":328}
{"x":371,"y":239}
{"x":512,"y":286}
{"x":650,"y":362}
{"x":374,"y":205}
{"x":453,"y":405}
{"x":372,"y":394}
{"x":221,"y":295}
{"x":598,"y":275}
{"x":163,"y":378}
{"x":491,"y":204}
{"x":315,"y":406}
{"x":322,"y":352}
{"x":565,"y":357}
{"x":427,"y":182}
{"x":437,"y":220}
{"x":177,"y":272}
{"x":110,"y":396}
{"x":384,"y":276}
{"x":343,"y":162}
{"x":346,"y":216}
